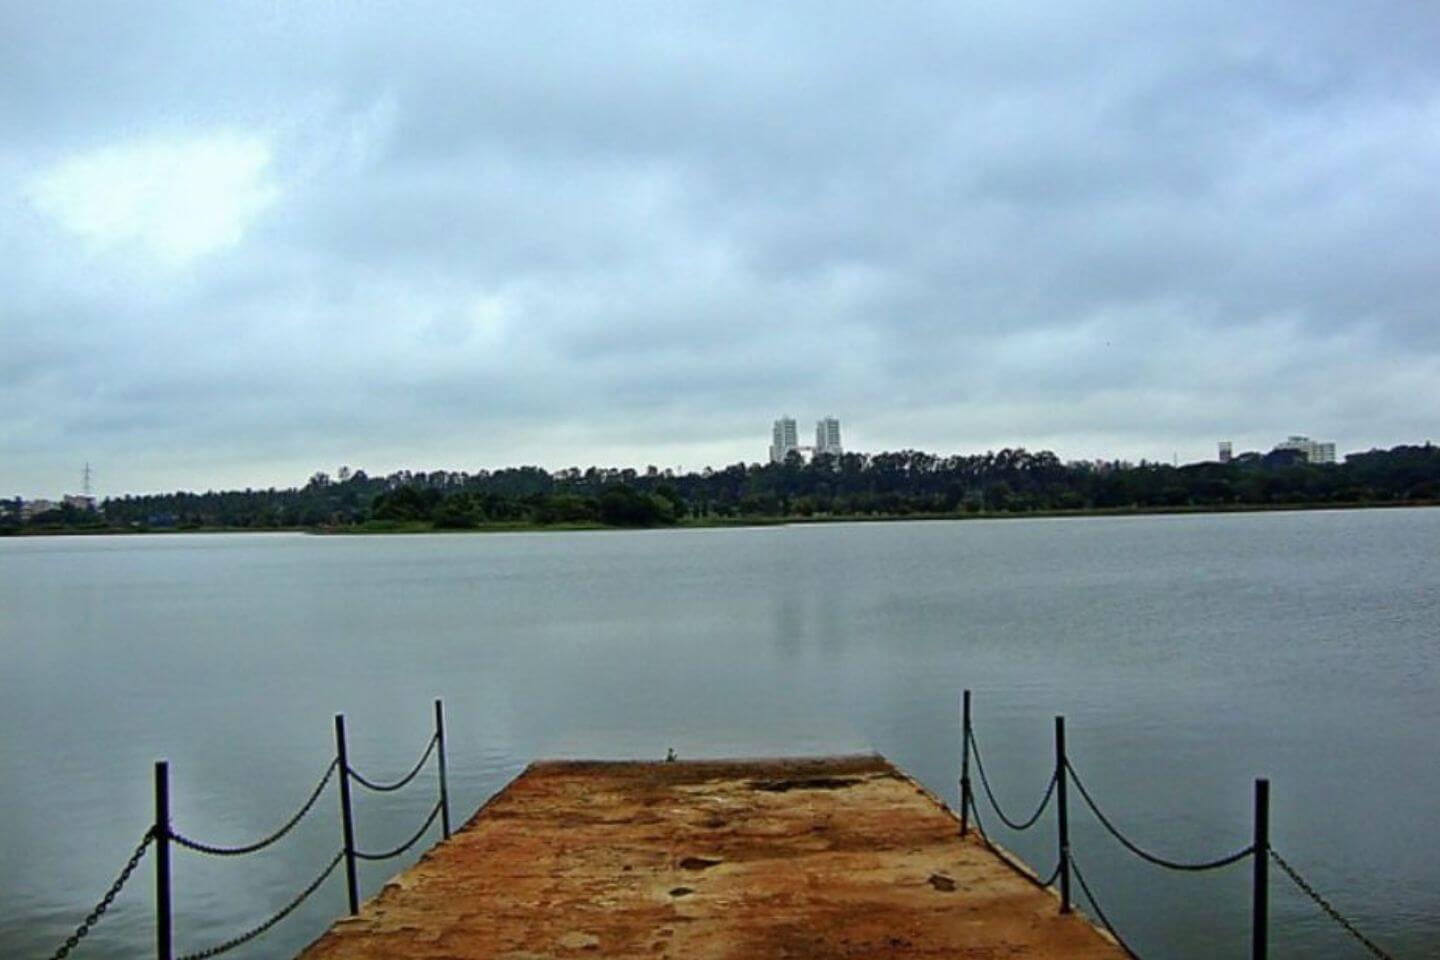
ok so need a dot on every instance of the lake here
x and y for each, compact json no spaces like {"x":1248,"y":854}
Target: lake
{"x":1189,"y":654}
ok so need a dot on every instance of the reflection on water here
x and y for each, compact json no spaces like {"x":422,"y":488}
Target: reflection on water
{"x":1190,"y":654}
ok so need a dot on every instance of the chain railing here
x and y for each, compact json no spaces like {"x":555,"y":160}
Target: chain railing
{"x":394,"y":852}
{"x":1016,"y":825}
{"x":1055,"y":794}
{"x":1004,"y":856}
{"x":162,"y":834}
{"x":1259,"y":852}
{"x":93,"y":917}
{"x":403,"y":781}
{"x":1100,"y":914}
{"x":281,"y":914}
{"x":258,"y":845}
{"x":1347,"y":925}
{"x":1199,"y":866}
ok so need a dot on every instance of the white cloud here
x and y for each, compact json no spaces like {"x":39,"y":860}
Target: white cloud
{"x":178,"y":199}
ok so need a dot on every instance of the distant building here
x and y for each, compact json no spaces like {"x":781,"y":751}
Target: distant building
{"x":80,"y":501}
{"x":29,"y":509}
{"x":784,"y":440}
{"x":1227,"y":451}
{"x":827,"y":436}
{"x":1314,"y":451}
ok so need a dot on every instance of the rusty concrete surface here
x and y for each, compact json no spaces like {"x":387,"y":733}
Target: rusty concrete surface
{"x":835,"y":857}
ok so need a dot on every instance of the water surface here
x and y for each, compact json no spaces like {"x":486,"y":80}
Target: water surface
{"x":1189,"y":655}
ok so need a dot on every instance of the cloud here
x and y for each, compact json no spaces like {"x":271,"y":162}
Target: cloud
{"x":278,"y":238}
{"x":178,"y":199}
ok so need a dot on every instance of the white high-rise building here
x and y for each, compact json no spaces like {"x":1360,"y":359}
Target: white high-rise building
{"x":1314,"y":452}
{"x":827,"y":436}
{"x":784,"y":439}
{"x":1227,"y":451}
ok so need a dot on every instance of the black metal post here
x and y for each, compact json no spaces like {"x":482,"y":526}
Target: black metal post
{"x":965,"y":766}
{"x":1062,"y":810}
{"x":352,"y":883}
{"x":163,"y":946}
{"x":1261,"y":932}
{"x":440,"y":750}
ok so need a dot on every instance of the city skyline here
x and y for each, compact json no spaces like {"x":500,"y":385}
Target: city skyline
{"x":783,"y":429}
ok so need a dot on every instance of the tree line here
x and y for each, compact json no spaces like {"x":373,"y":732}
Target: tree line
{"x":897,"y":484}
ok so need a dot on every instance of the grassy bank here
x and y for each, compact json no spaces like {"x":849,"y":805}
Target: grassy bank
{"x":371,"y":527}
{"x":713,"y":522}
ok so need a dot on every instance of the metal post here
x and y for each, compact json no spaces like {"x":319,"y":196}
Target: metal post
{"x":163,"y":947}
{"x":1062,"y":810}
{"x":1261,"y":932}
{"x":440,"y":750}
{"x":352,"y":883}
{"x":965,"y":766}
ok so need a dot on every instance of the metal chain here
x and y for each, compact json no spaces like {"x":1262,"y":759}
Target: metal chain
{"x":1159,"y":861}
{"x":1003,"y":856}
{"x":285,"y":911}
{"x":216,"y":851}
{"x":415,"y":771}
{"x":1100,"y":914}
{"x":1325,"y":905}
{"x":93,"y":917}
{"x":985,"y":782}
{"x":434,"y":811}
{"x":1054,"y":875}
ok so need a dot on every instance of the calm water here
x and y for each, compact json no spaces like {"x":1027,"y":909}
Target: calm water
{"x":1189,"y":654}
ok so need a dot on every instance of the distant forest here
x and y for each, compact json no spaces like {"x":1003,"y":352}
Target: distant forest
{"x":904,"y":484}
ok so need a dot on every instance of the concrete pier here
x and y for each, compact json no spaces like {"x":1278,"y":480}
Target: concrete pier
{"x":822,"y":858}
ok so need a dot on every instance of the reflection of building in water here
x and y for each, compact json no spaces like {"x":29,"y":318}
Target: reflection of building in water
{"x":785,"y":439}
{"x":1314,"y":452}
{"x":804,"y":617}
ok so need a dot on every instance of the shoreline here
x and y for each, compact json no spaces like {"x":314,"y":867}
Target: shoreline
{"x":374,"y":528}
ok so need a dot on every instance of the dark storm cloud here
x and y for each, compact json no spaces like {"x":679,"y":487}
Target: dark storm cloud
{"x":240,"y":243}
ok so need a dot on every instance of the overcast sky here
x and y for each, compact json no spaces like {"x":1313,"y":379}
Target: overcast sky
{"x":243,"y":242}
